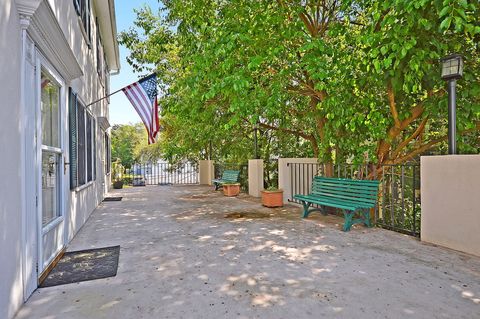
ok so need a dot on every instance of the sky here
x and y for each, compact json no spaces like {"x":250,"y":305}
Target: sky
{"x":121,"y":111}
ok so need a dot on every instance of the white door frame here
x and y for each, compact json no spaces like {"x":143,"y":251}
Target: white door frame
{"x":43,"y":64}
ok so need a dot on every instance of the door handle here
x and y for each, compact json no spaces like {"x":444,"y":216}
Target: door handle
{"x":65,"y":164}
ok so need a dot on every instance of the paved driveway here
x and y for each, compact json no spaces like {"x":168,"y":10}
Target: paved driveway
{"x":189,"y":252}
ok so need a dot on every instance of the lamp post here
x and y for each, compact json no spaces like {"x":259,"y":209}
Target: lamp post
{"x":255,"y":138}
{"x":452,"y":70}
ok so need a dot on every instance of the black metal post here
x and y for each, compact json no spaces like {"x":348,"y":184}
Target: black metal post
{"x":452,"y":117}
{"x":255,"y":138}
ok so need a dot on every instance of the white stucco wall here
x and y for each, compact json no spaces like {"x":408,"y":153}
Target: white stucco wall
{"x":451,"y":201}
{"x":11,"y":290}
{"x":255,"y":177}
{"x":206,"y":172}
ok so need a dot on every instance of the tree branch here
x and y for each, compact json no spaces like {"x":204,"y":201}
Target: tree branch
{"x":391,"y":102}
{"x":417,"y":132}
{"x":429,"y":145}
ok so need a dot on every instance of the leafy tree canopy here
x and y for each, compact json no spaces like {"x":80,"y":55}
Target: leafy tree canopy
{"x":127,"y":143}
{"x":339,"y":79}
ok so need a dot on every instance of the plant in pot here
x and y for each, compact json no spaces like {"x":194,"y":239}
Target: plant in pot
{"x":117,"y":174}
{"x":231,"y":189}
{"x":272,"y":197}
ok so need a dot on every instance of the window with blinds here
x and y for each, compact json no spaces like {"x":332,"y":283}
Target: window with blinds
{"x":82,"y":143}
{"x":83,"y":9}
{"x":108,"y":157}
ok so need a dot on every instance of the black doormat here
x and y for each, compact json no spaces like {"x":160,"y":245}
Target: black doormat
{"x":84,"y":265}
{"x":112,"y":199}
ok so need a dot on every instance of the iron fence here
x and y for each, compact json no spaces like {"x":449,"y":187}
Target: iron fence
{"x":219,"y":168}
{"x":141,"y":174}
{"x":398,"y":206}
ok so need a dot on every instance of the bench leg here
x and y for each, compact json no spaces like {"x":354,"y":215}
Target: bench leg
{"x":323,"y":211}
{"x":306,"y":206}
{"x":366,"y":217}
{"x":348,"y":215}
{"x":307,"y":210}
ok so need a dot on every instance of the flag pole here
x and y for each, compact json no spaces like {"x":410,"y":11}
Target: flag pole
{"x":103,"y":98}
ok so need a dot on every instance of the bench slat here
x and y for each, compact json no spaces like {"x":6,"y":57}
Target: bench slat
{"x":345,"y":190}
{"x":342,"y":201}
{"x":327,"y":202}
{"x":346,"y":197}
{"x":346,"y":181}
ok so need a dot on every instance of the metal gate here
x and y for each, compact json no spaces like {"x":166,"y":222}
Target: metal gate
{"x":141,"y":174}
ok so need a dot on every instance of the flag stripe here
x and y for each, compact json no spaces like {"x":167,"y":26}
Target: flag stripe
{"x":139,"y":107}
{"x":143,"y":96}
{"x":141,"y":102}
{"x":134,"y":102}
{"x":145,"y":122}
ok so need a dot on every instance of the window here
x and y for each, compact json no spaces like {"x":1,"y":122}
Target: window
{"x":83,"y":10}
{"x":51,"y":148}
{"x":82,"y":143}
{"x":108,"y":156}
{"x":100,"y":55}
{"x":107,"y":79}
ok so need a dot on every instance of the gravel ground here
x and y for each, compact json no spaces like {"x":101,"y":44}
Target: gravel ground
{"x":190,"y":252}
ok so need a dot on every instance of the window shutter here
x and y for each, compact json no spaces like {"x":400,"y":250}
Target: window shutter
{"x":94,"y":146}
{"x":81,"y":145}
{"x":73,"y":139}
{"x":88,"y":146}
{"x":76,"y":4}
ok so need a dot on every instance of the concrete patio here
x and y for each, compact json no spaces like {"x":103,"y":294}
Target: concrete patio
{"x":189,"y":252}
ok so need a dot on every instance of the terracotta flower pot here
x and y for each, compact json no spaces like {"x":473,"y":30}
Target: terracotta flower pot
{"x":272,"y":198}
{"x":118,"y":184}
{"x":231,"y":189}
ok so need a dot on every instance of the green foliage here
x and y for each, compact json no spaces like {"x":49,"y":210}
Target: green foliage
{"x":339,"y":79}
{"x":127,"y":142}
{"x":117,"y":170}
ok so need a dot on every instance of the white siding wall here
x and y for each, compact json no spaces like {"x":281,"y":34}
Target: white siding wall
{"x":80,"y":203}
{"x":11,"y":290}
{"x":89,"y":88}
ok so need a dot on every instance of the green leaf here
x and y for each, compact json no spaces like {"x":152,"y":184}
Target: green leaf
{"x":444,"y":11}
{"x":445,"y":25}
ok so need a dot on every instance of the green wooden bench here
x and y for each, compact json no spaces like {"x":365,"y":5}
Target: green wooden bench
{"x":228,"y":176}
{"x":351,"y":196}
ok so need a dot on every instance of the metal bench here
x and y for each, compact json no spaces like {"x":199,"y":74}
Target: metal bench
{"x":228,"y":176}
{"x":351,"y":196}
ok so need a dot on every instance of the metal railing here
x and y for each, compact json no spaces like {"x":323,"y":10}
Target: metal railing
{"x":398,"y":206}
{"x":161,"y":174}
{"x":243,"y":177}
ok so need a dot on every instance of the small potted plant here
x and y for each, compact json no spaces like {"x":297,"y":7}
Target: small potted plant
{"x":231,"y":189}
{"x":272,"y":197}
{"x":117,"y":173}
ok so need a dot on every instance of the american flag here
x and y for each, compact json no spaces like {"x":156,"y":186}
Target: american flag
{"x":143,"y":96}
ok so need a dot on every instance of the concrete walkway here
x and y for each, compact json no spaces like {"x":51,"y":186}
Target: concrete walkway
{"x":188,"y":252}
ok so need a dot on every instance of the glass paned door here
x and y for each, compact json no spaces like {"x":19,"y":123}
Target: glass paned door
{"x":50,"y":157}
{"x":51,"y":151}
{"x":50,"y":187}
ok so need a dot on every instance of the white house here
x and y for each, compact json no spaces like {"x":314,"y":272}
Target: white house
{"x":56,"y":56}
